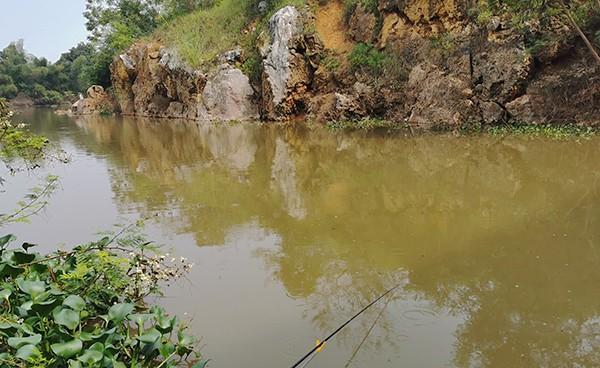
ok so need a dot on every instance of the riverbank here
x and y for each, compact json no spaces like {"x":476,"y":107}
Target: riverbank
{"x":420,"y":66}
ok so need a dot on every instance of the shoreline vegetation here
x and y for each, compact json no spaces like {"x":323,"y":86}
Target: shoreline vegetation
{"x":87,"y":306}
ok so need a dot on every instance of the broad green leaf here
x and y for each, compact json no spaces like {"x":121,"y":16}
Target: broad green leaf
{"x":22,"y":257}
{"x":45,"y":307}
{"x":66,"y":317}
{"x":27,"y":351}
{"x":26,"y":328}
{"x":8,"y":326}
{"x":139,"y":318}
{"x":201,"y":363}
{"x":150,"y":336}
{"x":75,"y":302}
{"x":89,"y":357}
{"x":184,"y":339}
{"x":41,"y":297}
{"x":85,"y":336}
{"x":67,"y":349}
{"x":17,"y":342}
{"x":97,"y":347}
{"x":8,"y":270}
{"x":6,"y":239}
{"x":33,"y":288}
{"x":75,"y":364}
{"x":166,"y":349}
{"x":165,"y":324}
{"x":5,"y":293}
{"x":118,"y":312}
{"x":117,"y":364}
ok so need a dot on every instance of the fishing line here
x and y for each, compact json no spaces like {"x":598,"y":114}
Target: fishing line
{"x":369,"y":331}
{"x":322,"y":343}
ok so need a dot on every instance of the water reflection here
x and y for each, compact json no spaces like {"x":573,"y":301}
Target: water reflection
{"x":501,"y":233}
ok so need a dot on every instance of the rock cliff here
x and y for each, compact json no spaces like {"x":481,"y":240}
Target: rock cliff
{"x":426,"y":63}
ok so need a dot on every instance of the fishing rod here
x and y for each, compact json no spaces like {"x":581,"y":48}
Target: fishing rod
{"x":369,"y":331}
{"x":322,"y":343}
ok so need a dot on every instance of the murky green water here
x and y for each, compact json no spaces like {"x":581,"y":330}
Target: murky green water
{"x":496,"y":242}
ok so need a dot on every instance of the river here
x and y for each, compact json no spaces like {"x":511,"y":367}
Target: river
{"x":495,"y":241}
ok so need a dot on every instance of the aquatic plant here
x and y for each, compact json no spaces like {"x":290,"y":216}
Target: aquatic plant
{"x":544,"y":130}
{"x":85,"y":307}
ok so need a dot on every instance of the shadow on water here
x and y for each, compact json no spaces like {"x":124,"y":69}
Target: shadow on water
{"x":499,"y":235}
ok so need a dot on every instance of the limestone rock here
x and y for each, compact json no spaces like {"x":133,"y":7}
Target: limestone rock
{"x":438,"y":99}
{"x":232,"y":56}
{"x":500,"y":72}
{"x":520,"y":109}
{"x":567,"y":92}
{"x":284,"y":27}
{"x":150,"y":80}
{"x":97,"y":101}
{"x":492,"y":112}
{"x":337,"y":107}
{"x":228,"y":96}
{"x":288,"y":68}
{"x":262,"y":6}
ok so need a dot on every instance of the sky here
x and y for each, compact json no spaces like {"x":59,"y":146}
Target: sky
{"x":49,"y":27}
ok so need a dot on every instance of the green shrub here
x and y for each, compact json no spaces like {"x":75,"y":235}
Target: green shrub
{"x":85,"y":307}
{"x":367,"y":57}
{"x":331,"y":62}
{"x":544,"y":130}
{"x":443,"y":41}
{"x":364,"y":124}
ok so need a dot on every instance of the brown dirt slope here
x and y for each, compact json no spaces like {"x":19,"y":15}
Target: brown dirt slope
{"x":330,"y":27}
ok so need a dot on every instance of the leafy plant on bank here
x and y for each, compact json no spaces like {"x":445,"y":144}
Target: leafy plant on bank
{"x":85,"y":307}
{"x":22,"y":150}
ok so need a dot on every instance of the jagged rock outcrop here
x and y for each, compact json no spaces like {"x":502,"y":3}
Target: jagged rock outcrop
{"x":228,"y":96}
{"x":438,"y":99}
{"x":431,"y":65}
{"x":151,"y":80}
{"x":568,"y":91}
{"x":97,"y":101}
{"x":288,"y":65}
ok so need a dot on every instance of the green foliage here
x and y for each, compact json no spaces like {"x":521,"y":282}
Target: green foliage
{"x":16,"y":142}
{"x":364,"y":124}
{"x":201,"y":36}
{"x":367,"y":57}
{"x":20,"y":149}
{"x":252,"y":67}
{"x":444,"y":42}
{"x":176,"y":8}
{"x":44,"y":82}
{"x":27,"y":74}
{"x":544,"y":130}
{"x":524,"y":12}
{"x":85,"y":308}
{"x":114,"y":25}
{"x":76,"y":64}
{"x":331,"y":62}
